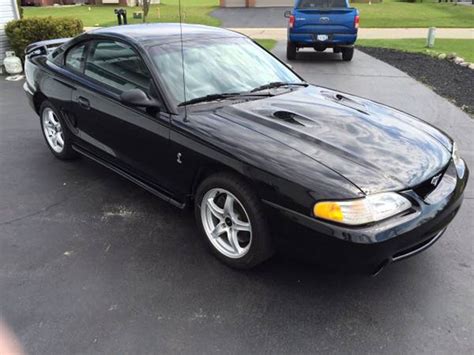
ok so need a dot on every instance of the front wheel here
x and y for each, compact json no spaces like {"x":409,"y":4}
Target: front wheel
{"x":347,"y":54}
{"x":290,"y":50}
{"x":232,"y":221}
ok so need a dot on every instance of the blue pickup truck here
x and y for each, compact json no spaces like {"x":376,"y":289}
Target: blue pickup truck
{"x":322,"y":24}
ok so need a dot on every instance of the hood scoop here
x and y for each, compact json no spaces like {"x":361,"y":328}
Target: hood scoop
{"x":346,"y":101}
{"x":293,"y":118}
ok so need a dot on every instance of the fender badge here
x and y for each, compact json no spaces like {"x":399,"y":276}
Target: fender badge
{"x":435,"y":180}
{"x":178,"y":158}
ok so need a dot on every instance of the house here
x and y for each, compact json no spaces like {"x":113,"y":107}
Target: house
{"x":88,"y":2}
{"x":256,"y":3}
{"x":8,"y":12}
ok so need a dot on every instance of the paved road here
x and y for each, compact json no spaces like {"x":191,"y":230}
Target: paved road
{"x":241,"y":17}
{"x":89,"y":263}
{"x":280,"y":34}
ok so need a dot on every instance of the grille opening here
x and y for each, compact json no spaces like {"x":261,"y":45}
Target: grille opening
{"x":413,"y":248}
{"x":426,"y":187}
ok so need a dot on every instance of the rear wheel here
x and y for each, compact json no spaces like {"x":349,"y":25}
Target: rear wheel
{"x":291,"y":51}
{"x":232,"y":221}
{"x":347,"y":54}
{"x":55,"y":132}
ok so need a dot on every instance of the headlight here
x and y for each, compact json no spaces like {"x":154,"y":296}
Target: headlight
{"x":458,"y":162}
{"x":369,"y":209}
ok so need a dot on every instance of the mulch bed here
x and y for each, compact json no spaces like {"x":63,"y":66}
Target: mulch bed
{"x":449,"y":80}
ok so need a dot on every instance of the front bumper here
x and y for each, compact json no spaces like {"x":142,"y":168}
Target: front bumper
{"x":368,"y":247}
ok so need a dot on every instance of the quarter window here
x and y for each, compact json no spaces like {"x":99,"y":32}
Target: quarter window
{"x":118,"y":66}
{"x":75,"y":57}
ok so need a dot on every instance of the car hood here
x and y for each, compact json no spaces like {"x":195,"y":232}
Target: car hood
{"x":376,"y":147}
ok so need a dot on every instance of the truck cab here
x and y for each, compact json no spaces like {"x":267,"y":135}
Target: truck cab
{"x":322,"y":24}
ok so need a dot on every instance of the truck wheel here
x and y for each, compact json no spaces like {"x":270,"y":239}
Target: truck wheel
{"x":290,"y":51}
{"x":232,"y":221}
{"x":347,"y":54}
{"x":336,"y":50}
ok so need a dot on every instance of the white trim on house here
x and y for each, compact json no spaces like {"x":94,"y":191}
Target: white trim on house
{"x":8,"y":12}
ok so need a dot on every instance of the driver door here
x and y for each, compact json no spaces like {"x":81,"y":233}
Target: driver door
{"x":133,"y":138}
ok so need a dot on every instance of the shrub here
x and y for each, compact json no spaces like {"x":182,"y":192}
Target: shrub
{"x":23,"y":32}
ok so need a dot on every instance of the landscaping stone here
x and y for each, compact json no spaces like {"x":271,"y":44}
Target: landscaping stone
{"x":451,"y":55}
{"x":442,"y":56}
{"x":464,"y":64}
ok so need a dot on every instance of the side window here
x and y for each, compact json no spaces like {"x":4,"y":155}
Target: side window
{"x":117,"y":65}
{"x":75,"y":57}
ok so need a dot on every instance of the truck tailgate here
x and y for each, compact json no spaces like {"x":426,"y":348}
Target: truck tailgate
{"x":324,"y":21}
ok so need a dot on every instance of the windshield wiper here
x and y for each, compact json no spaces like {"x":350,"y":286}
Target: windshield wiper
{"x":277,"y":84}
{"x":211,"y":97}
{"x":214,"y":97}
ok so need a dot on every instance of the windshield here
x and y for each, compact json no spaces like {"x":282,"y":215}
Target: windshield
{"x":320,"y":4}
{"x":216,"y":66}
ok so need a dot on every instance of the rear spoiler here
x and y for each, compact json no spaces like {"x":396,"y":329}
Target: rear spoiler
{"x":44,"y":47}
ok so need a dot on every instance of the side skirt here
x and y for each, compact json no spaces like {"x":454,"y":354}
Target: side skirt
{"x":129,"y":177}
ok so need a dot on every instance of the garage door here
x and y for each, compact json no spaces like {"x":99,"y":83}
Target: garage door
{"x":269,"y":3}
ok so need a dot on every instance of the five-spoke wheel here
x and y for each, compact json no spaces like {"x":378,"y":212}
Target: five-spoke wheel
{"x":56,"y":132}
{"x":232,"y":221}
{"x":226,"y":223}
{"x":52,"y":130}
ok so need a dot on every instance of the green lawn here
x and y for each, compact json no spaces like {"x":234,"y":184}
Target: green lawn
{"x":268,"y":44}
{"x":386,"y":14}
{"x":463,"y":47}
{"x":194,"y":11}
{"x":391,"y":14}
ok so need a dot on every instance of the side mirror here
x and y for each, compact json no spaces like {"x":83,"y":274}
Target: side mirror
{"x":137,"y":97}
{"x":287,"y":14}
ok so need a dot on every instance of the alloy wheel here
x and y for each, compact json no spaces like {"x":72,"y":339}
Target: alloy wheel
{"x":52,"y":130}
{"x":226,"y":223}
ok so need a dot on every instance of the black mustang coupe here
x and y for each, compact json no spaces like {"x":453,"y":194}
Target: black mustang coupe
{"x":205,"y":117}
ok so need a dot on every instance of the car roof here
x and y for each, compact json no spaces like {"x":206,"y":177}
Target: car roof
{"x":164,"y":32}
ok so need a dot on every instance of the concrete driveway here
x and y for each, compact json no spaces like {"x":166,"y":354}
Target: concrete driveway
{"x":90,"y":263}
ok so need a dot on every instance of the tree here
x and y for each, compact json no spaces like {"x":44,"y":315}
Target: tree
{"x":145,"y":8}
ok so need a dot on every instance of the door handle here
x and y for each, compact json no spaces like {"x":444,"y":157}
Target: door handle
{"x":84,"y":103}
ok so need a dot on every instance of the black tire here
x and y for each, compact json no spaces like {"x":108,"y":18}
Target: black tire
{"x":336,"y":50}
{"x":67,"y":153}
{"x":290,"y":51}
{"x":347,"y":54}
{"x":261,"y":246}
